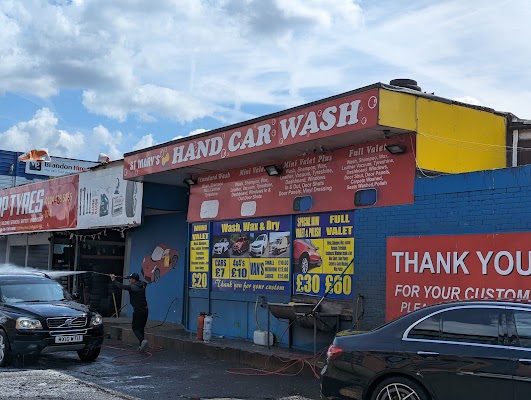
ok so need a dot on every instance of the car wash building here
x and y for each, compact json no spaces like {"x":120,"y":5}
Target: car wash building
{"x":297,"y":221}
{"x":76,"y":222}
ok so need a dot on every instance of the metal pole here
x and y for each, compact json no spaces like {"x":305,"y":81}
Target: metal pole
{"x":331,"y":287}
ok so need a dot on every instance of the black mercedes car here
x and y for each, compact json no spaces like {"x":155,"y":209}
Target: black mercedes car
{"x":453,"y":351}
{"x":38,"y":316}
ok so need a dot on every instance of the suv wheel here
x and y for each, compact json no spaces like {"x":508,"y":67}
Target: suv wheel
{"x":4,"y":349}
{"x":89,"y":355}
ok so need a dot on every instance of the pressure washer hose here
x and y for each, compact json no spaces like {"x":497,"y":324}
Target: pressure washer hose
{"x":101,"y":273}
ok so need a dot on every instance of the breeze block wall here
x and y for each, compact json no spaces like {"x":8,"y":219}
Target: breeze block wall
{"x":496,"y":201}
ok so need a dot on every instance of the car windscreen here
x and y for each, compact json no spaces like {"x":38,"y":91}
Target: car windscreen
{"x":31,"y":291}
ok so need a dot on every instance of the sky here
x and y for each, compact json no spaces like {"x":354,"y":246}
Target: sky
{"x":83,"y":77}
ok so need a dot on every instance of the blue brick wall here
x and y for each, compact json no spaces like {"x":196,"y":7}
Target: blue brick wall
{"x":479,"y":202}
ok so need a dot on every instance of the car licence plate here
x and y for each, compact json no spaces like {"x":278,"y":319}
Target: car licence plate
{"x":69,"y":339}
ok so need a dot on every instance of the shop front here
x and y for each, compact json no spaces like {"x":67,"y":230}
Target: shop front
{"x":73,"y":223}
{"x":276,"y":205}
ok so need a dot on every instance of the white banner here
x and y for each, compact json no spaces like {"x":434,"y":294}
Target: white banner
{"x":105,"y":199}
{"x":58,"y":166}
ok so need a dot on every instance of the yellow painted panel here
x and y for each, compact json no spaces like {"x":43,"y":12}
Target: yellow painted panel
{"x":454,"y":139}
{"x":397,"y":110}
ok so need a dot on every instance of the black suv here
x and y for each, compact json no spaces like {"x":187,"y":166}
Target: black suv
{"x":38,"y":316}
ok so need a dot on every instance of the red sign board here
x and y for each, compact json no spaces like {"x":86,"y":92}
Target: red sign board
{"x":432,"y":269}
{"x":351,"y":177}
{"x":43,"y":206}
{"x":321,"y":120}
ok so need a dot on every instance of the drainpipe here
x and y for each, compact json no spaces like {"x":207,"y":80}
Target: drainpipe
{"x":514,"y":162}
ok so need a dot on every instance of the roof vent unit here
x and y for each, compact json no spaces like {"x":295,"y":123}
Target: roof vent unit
{"x":406,"y":83}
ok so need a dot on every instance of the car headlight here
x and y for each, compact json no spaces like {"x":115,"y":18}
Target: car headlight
{"x":96,"y":319}
{"x":28,"y":323}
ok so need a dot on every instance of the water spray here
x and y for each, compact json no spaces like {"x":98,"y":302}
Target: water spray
{"x":15,"y":269}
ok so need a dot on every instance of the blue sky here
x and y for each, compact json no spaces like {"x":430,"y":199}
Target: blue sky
{"x":80,"y":77}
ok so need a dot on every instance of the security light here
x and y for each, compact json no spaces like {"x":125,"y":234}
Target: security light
{"x":273,"y":170}
{"x":395,"y":148}
{"x":190,"y":182}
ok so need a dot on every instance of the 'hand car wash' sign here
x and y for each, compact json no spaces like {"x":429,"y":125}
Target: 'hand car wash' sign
{"x":432,"y":269}
{"x":318,"y":121}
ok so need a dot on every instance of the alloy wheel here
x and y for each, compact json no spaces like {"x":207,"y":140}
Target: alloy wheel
{"x":3,"y":349}
{"x":397,"y":391}
{"x":305,"y":265}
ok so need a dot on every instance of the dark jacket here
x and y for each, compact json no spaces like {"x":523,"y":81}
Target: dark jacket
{"x":137,"y":294}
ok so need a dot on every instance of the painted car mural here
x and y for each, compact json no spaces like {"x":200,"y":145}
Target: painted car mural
{"x":305,"y":255}
{"x":161,"y":260}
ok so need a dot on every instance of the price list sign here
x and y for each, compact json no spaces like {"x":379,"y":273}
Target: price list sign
{"x":199,"y":256}
{"x":251,"y":256}
{"x":323,"y":248}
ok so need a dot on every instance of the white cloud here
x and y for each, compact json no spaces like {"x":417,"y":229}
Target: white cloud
{"x":111,"y":141}
{"x":469,"y":100}
{"x":185,"y":60}
{"x":42,"y":132}
{"x":144,"y":142}
{"x":160,"y":60}
{"x":192,"y":133}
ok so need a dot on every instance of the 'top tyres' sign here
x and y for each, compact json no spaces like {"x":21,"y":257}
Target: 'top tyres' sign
{"x":92,"y":199}
{"x":432,"y":269}
{"x":48,"y":205}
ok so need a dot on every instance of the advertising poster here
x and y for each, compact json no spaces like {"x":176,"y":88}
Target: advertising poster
{"x":358,"y":176}
{"x":47,"y":205}
{"x":199,"y":255}
{"x":425,"y":270}
{"x":251,"y":256}
{"x":323,"y":248}
{"x":106,"y":199}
